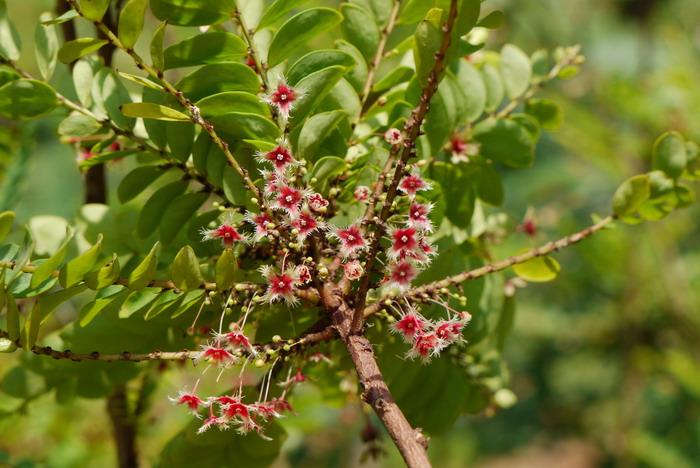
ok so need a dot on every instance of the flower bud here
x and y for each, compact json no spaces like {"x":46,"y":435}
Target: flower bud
{"x":259,"y":363}
{"x":276,"y":339}
{"x":254,"y":200}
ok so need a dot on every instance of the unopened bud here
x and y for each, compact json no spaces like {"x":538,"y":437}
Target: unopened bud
{"x":212,"y":293}
{"x":240,"y":287}
{"x":259,"y":363}
{"x":286,"y":348}
{"x":254,"y":200}
{"x":276,"y":339}
{"x":323,"y":272}
{"x":313,"y":180}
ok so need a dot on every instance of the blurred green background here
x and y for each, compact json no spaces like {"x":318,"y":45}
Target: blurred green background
{"x":604,"y":360}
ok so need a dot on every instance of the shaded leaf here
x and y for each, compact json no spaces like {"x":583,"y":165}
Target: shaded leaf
{"x":185,"y":270}
{"x":73,"y":50}
{"x":226,"y":267}
{"x":147,"y":110}
{"x":144,"y":272}
{"x":75,"y":270}
{"x":26,"y":99}
{"x":131,"y":22}
{"x":213,"y":47}
{"x":538,"y":269}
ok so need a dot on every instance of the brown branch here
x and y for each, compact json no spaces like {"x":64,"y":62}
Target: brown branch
{"x":315,"y":334}
{"x":125,"y":428}
{"x":374,"y":64}
{"x":428,"y":290}
{"x":410,"y":133}
{"x":411,"y":443}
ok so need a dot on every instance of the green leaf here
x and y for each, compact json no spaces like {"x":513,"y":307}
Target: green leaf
{"x":185,"y":270}
{"x":494,"y":20}
{"x":234,"y":187}
{"x":317,"y":85}
{"x":104,"y":157}
{"x":143,"y":274}
{"x":244,"y":125}
{"x":141,"y":80}
{"x":46,"y":48}
{"x":73,"y":50}
{"x":75,"y":270}
{"x":358,"y":75}
{"x":471,"y":91}
{"x":10,"y":43}
{"x":21,"y":383}
{"x":494,"y":87}
{"x":193,"y":12}
{"x":136,"y":182}
{"x":226,"y":267}
{"x":458,"y":190}
{"x":505,"y":141}
{"x":67,"y":16}
{"x":426,"y":42}
{"x":315,"y":130}
{"x":548,"y":113}
{"x":46,"y":269}
{"x":156,"y":206}
{"x":395,"y":77}
{"x":298,"y":30}
{"x":94,"y":307}
{"x":13,"y":329}
{"x":148,"y":110}
{"x":105,"y":276}
{"x":94,"y":9}
{"x":26,"y":99}
{"x":7,"y":219}
{"x":277,"y":12}
{"x":50,"y":302}
{"x":631,"y":194}
{"x":84,"y":72}
{"x":324,"y":171}
{"x":213,"y":47}
{"x":489,"y":185}
{"x":78,"y":126}
{"x":8,"y":75}
{"x":413,"y":11}
{"x":179,"y":211}
{"x":217,"y":78}
{"x":537,"y":270}
{"x":156,"y":48}
{"x":360,"y":29}
{"x":131,"y":22}
{"x":218,"y":448}
{"x":180,"y":138}
{"x":516,"y":70}
{"x":318,"y":60}
{"x":682,"y":197}
{"x":670,"y":155}
{"x":238,"y":101}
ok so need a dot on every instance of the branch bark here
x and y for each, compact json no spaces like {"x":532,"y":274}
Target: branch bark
{"x":124,"y":425}
{"x":411,"y":443}
{"x":410,"y":133}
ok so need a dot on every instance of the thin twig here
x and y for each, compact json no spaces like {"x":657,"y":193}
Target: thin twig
{"x":428,"y":290}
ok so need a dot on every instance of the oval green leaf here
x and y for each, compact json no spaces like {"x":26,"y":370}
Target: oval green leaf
{"x":631,"y":194}
{"x":155,"y":207}
{"x":148,"y":110}
{"x":73,"y":50}
{"x":538,"y":270}
{"x":315,"y":130}
{"x":670,"y":154}
{"x":46,"y":269}
{"x":298,"y":30}
{"x":213,"y":47}
{"x":193,"y":12}
{"x":131,"y":22}
{"x":226,"y":267}
{"x":179,"y":211}
{"x":143,"y":274}
{"x":505,"y":141}
{"x":26,"y":99}
{"x":185,"y":270}
{"x":360,"y":29}
{"x":75,"y":270}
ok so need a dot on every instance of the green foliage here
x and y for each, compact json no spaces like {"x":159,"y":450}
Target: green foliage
{"x":197,"y":153}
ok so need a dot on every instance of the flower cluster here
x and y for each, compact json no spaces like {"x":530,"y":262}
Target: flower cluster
{"x":410,"y":250}
{"x":427,"y":337}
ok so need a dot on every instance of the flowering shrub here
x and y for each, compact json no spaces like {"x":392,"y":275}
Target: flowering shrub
{"x":287,"y":195}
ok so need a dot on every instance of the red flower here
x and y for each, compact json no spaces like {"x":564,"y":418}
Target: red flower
{"x":289,"y":199}
{"x":353,"y":270}
{"x":361,"y":193}
{"x":211,"y":421}
{"x":272,"y":180}
{"x":418,"y":216}
{"x":260,"y":222}
{"x":449,"y":330}
{"x":350,"y":240}
{"x":216,"y":355}
{"x":458,"y":146}
{"x":404,"y":241}
{"x":283,"y":98}
{"x":280,"y":157}
{"x":236,"y":340}
{"x":280,"y":285}
{"x":232,"y":410}
{"x":409,"y":326}
{"x":303,"y":275}
{"x":317,"y":202}
{"x":192,"y":401}
{"x":305,"y":224}
{"x":426,"y":346}
{"x":226,"y":232}
{"x":392,"y":136}
{"x":401,"y":274}
{"x":413,"y":183}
